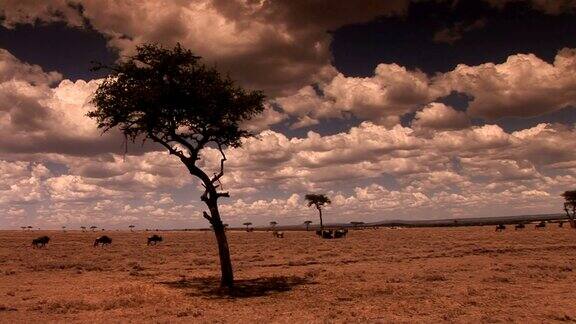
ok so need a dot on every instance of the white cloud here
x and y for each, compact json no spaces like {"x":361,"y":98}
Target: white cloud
{"x":438,"y":116}
{"x":523,"y":86}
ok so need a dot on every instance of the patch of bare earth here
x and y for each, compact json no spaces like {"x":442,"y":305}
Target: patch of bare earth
{"x":407,"y":275}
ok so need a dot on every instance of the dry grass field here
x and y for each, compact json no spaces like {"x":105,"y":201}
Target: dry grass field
{"x":468,"y":274}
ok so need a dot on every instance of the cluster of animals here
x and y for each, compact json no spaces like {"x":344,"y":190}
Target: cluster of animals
{"x":101,"y":241}
{"x":330,"y":234}
{"x":521,"y":226}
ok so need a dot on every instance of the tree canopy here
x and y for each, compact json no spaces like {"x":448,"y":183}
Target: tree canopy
{"x":318,"y":200}
{"x":170,"y":97}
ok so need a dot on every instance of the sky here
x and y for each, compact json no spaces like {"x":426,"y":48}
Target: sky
{"x":399,"y":109}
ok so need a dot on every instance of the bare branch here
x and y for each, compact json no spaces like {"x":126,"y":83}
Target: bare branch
{"x":172,"y":150}
{"x":223,"y":194}
{"x":222,"y":160}
{"x":208,"y":217}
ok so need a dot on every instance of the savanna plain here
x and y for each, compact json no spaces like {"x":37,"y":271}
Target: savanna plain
{"x":469,"y":274}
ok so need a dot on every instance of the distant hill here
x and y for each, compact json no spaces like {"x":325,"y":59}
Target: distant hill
{"x":447,"y":222}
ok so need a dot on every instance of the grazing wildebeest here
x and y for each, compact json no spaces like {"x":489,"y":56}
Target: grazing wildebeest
{"x":278,"y":234}
{"x":500,"y":227}
{"x":326,"y":234}
{"x":542,"y":224}
{"x":519,"y":226}
{"x":154,"y":239}
{"x":102,"y":240}
{"x":40,"y":242}
{"x":340,"y":233}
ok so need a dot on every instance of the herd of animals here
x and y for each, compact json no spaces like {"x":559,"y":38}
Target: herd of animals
{"x":101,"y":241}
{"x":521,"y":226}
{"x":104,"y":240}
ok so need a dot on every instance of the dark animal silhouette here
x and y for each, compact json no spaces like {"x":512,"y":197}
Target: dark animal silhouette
{"x":542,"y":224}
{"x":278,"y":234}
{"x":154,"y":239}
{"x":102,"y":241}
{"x":500,"y":227}
{"x":325,"y":234}
{"x":519,"y":226}
{"x":340,"y":233}
{"x":40,"y":242}
{"x":560,"y":224}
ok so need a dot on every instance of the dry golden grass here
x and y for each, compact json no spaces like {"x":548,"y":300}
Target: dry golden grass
{"x":408,"y":275}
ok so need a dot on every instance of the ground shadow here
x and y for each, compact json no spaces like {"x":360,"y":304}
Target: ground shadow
{"x":245,"y":288}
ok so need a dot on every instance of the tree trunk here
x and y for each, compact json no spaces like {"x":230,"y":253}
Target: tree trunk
{"x":571,"y":217}
{"x":227,"y":279}
{"x":321,"y":224}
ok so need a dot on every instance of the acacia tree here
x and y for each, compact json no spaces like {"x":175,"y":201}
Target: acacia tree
{"x":273,"y":224}
{"x":319,"y":201}
{"x":570,"y":206}
{"x":247,"y":224}
{"x":307,"y":223}
{"x":131,"y":228}
{"x":170,"y":97}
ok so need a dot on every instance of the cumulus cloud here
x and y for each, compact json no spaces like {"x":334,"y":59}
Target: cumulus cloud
{"x":274,"y":45}
{"x":392,"y":92}
{"x":449,"y":171}
{"x":438,"y":116}
{"x":523,"y":86}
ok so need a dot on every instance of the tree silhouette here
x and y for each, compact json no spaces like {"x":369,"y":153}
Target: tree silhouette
{"x":319,"y":201}
{"x":247,"y":224}
{"x":131,"y":228}
{"x":29,"y":228}
{"x":93,"y":228}
{"x":307,"y":223}
{"x":570,"y":206}
{"x":23,"y":228}
{"x":355,"y":224}
{"x":170,"y":97}
{"x":273,"y":224}
{"x":63,"y":228}
{"x":83,"y":228}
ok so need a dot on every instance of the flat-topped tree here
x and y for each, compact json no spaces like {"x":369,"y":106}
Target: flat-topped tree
{"x":170,"y":97}
{"x":319,"y":201}
{"x":131,"y":227}
{"x":307,"y":223}
{"x":247,"y":224}
{"x":570,"y":206}
{"x":273,"y":224}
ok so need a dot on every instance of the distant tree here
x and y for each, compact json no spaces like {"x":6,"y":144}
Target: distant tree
{"x":170,"y":97}
{"x":93,"y":228}
{"x":83,"y":228}
{"x":273,"y":224}
{"x":307,"y":223}
{"x":570,"y":206}
{"x":29,"y":228}
{"x":356,"y":224}
{"x":63,"y":228}
{"x":131,"y":228}
{"x":319,"y":201}
{"x":247,"y":224}
{"x":23,"y":228}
